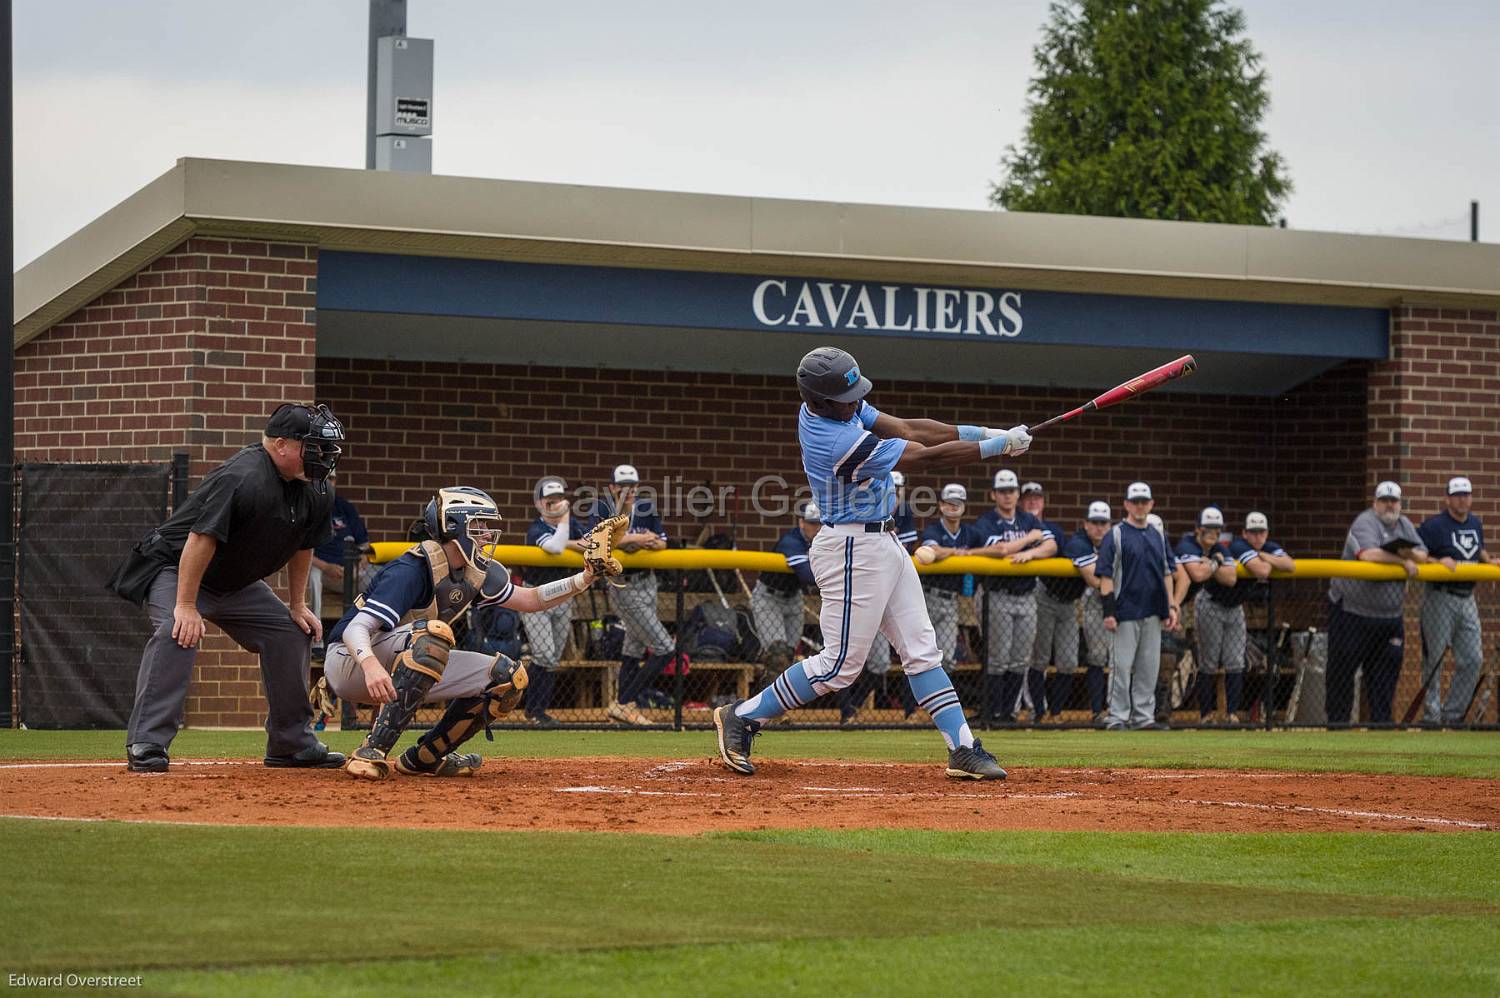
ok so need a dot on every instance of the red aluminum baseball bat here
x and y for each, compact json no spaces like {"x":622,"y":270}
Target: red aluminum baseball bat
{"x":1139,"y":385}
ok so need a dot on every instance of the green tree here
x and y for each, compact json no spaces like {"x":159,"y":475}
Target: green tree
{"x":1146,"y":109}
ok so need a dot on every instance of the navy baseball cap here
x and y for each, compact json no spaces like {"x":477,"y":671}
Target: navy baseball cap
{"x":832,"y":374}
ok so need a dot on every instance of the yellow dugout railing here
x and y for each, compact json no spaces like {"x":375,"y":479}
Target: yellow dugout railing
{"x":524,"y":555}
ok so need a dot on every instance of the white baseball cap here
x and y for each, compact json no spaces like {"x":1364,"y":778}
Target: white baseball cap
{"x":1099,"y":512}
{"x":1387,"y":490}
{"x":549,"y":487}
{"x":954,"y":492}
{"x":1137,"y":490}
{"x":625,"y":474}
{"x":898,"y":480}
{"x":1460,"y":486}
{"x":1257,"y":521}
{"x":1006,"y":479}
{"x":1033,"y":488}
{"x":810,"y":512}
{"x":1211,"y":516}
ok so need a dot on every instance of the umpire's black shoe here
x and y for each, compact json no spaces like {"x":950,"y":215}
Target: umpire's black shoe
{"x":542,"y":719}
{"x":313,"y":757}
{"x":146,"y":757}
{"x":735,"y":735}
{"x":973,"y":763}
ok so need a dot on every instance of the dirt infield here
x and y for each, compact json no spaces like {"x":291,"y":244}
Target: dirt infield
{"x":694,"y":795}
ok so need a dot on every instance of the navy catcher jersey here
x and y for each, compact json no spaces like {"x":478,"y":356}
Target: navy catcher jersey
{"x":397,"y":589}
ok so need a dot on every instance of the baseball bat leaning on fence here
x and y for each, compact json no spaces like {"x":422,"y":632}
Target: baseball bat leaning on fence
{"x":1416,"y":701}
{"x":1488,"y":683}
{"x":1155,"y":378}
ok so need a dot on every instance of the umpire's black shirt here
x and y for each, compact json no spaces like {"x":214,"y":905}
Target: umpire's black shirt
{"x":259,"y":519}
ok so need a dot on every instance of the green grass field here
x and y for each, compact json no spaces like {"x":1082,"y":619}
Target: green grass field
{"x":225,"y":910}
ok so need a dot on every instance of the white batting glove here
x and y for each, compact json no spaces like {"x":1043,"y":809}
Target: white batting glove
{"x":1017,"y":441}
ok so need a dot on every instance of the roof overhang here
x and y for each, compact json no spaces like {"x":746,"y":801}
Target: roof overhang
{"x":419,"y":215}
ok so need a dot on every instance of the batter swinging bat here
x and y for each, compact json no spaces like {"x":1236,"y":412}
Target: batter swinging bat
{"x":1179,"y":368}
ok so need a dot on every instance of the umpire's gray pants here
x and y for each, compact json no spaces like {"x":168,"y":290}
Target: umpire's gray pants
{"x":258,"y":622}
{"x":547,"y":633}
{"x":1056,"y":633}
{"x":635,"y":602}
{"x":1220,"y":631}
{"x":942,"y":610}
{"x":1449,"y":619}
{"x":1135,"y":661}
{"x":1012,"y":637}
{"x":778,"y":617}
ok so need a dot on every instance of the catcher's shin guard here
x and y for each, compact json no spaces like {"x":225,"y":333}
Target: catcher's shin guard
{"x":467,"y":715}
{"x":417,"y":670}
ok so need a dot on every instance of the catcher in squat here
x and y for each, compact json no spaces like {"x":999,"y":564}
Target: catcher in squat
{"x":373,"y":657}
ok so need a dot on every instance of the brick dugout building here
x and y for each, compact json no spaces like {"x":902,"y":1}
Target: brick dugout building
{"x":492,"y":331}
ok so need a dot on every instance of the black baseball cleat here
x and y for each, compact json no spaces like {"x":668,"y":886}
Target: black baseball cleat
{"x":313,"y":757}
{"x":973,"y":763}
{"x":452,"y":764}
{"x":735,"y":735}
{"x":146,"y":757}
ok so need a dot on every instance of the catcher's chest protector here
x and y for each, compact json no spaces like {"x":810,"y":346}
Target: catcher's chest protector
{"x":452,"y":592}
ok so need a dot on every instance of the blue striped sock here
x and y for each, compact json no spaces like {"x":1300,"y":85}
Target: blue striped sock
{"x":935,"y":694}
{"x":788,"y":690}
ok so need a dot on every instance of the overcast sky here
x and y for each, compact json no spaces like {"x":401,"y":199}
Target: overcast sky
{"x":1385,"y":110}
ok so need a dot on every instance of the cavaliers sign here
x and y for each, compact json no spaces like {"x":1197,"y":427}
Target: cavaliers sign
{"x":886,"y":308}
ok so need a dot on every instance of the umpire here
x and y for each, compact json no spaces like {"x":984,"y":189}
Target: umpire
{"x":266,"y":507}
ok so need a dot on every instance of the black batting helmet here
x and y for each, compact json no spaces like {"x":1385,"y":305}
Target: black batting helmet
{"x":828,"y":373}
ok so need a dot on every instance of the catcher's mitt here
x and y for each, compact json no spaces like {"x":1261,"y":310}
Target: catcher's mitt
{"x":599,"y":547}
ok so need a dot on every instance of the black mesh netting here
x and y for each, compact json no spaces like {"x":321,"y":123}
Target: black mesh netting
{"x":80,"y":644}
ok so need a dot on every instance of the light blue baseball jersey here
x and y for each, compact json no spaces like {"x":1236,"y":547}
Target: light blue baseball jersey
{"x":848,"y":467}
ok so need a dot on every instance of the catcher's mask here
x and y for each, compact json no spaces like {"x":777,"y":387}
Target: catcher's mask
{"x":467,"y":516}
{"x":320,"y":433}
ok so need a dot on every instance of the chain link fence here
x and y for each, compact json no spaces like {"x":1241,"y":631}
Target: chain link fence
{"x":1302,"y":663}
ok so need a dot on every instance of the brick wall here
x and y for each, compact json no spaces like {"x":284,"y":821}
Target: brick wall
{"x":413,"y":427}
{"x":1432,"y":408}
{"x":190,"y":354}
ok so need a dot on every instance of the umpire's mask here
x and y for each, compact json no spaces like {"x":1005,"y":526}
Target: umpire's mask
{"x":320,"y":433}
